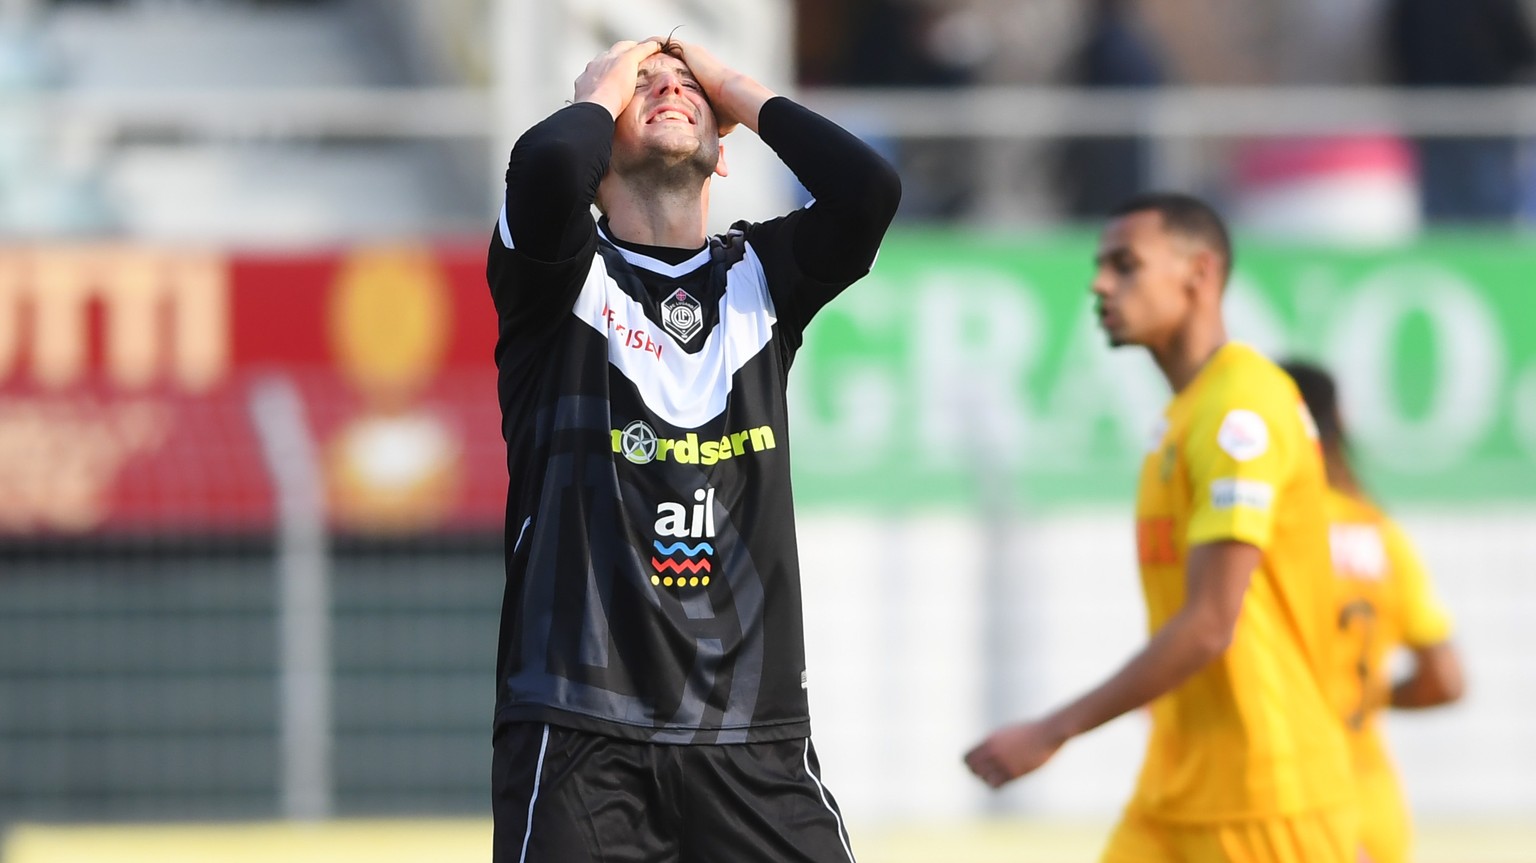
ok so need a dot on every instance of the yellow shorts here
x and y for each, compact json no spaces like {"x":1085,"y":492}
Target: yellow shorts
{"x":1328,"y":836}
{"x":1384,"y":826}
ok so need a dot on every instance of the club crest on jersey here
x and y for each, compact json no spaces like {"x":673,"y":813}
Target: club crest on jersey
{"x":682,"y":315}
{"x":683,"y":549}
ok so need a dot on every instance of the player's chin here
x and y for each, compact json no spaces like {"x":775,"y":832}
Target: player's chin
{"x":683,"y":148}
{"x":1122,"y":336}
{"x":671,"y":136}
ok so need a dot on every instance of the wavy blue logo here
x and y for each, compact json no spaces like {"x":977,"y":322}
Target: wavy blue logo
{"x":689,"y":550}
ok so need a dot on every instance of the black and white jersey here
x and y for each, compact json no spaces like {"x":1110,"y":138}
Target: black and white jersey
{"x":653,"y":587}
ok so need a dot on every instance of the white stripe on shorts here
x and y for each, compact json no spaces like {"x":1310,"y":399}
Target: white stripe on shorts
{"x":842,"y":835}
{"x":534,"y":798}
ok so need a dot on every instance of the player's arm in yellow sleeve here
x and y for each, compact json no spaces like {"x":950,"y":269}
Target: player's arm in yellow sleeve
{"x":1216,"y":580}
{"x":1239,"y":460}
{"x":1436,"y":677}
{"x":1237,"y":457}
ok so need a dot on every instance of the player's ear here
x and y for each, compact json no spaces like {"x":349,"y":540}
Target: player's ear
{"x":1205,"y":267}
{"x":720,"y":167}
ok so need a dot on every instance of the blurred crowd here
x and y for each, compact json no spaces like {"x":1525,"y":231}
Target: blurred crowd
{"x":63,"y":174}
{"x":1395,"y":183}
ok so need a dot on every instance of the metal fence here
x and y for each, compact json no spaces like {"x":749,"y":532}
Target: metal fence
{"x":141,"y":679}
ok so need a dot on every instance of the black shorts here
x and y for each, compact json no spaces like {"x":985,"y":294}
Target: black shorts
{"x":565,"y":796}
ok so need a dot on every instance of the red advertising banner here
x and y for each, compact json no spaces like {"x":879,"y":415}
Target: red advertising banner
{"x":127,"y":377}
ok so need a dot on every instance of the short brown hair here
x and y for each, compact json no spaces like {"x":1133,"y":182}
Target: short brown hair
{"x":1186,"y":215}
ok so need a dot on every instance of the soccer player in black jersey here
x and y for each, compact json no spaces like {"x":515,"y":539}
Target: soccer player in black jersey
{"x":650,"y":700}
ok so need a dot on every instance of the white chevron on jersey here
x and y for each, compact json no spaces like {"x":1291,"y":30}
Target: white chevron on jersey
{"x":687,"y":390}
{"x":659,"y":267}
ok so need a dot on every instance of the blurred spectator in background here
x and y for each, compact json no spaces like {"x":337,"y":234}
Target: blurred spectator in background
{"x":905,"y":43}
{"x":1215,"y":42}
{"x":1337,"y":189}
{"x":916,"y":43}
{"x":1098,"y":173}
{"x":48,"y":179}
{"x":1463,"y":43}
{"x":1359,"y":188}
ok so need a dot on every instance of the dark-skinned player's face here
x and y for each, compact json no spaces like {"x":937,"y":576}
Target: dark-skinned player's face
{"x":669,"y":120}
{"x":1144,"y":279}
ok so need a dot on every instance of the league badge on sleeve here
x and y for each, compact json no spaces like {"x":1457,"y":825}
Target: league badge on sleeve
{"x":682,"y":315}
{"x":1243,"y":435}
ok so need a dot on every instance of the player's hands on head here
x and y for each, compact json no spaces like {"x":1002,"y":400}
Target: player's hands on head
{"x":712,"y":75}
{"x":609,"y":79}
{"x":1013,"y":751}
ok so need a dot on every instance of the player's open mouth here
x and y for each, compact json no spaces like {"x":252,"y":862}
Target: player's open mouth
{"x":661,"y":115}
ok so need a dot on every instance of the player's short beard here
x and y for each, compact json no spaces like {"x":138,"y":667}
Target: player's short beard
{"x":660,"y":172}
{"x":1111,"y":339}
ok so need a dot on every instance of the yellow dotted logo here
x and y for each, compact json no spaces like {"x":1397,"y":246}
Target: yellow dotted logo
{"x":680,"y":581}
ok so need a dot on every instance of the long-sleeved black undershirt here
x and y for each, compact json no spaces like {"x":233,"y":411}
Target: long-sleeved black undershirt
{"x":556,"y":166}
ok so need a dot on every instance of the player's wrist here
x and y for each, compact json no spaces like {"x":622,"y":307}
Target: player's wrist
{"x":1061,"y":726}
{"x":609,"y":102}
{"x":742,"y":98}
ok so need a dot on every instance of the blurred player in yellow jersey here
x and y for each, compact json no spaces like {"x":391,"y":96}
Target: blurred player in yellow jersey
{"x":1383,"y":601}
{"x":1247,"y":759}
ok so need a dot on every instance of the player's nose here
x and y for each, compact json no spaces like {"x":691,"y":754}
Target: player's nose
{"x":1100,"y":286}
{"x":668,"y":82}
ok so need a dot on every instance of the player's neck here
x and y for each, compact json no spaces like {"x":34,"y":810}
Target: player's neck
{"x":674,"y":217}
{"x":1187,"y":351}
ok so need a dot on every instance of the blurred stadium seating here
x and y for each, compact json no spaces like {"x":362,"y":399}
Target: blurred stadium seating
{"x":251,"y":473}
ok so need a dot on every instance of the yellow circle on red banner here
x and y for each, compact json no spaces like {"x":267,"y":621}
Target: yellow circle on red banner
{"x":389,"y":320}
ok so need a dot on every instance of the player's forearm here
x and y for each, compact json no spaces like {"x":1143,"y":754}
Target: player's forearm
{"x":552,"y":179}
{"x":1216,"y":580}
{"x":837,"y":168}
{"x":741,"y":99}
{"x":1184,"y":646}
{"x":856,"y":190}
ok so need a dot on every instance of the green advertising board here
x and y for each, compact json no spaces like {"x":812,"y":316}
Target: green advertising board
{"x":968,"y":369}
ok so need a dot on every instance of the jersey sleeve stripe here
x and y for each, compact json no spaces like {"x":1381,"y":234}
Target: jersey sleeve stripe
{"x":501,"y":226}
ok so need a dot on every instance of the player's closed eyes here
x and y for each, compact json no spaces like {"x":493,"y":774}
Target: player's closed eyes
{"x":643,"y":80}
